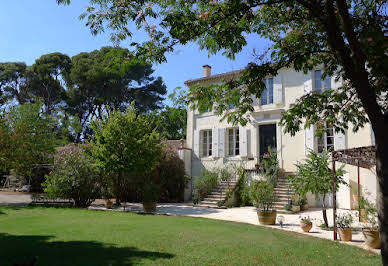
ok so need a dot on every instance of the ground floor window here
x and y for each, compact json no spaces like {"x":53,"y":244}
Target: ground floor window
{"x":233,"y":142}
{"x":326,"y":141}
{"x":206,"y":143}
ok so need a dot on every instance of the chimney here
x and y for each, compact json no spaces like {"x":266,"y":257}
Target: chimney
{"x":207,"y":71}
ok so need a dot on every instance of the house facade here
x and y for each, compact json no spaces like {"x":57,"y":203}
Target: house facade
{"x":216,"y":143}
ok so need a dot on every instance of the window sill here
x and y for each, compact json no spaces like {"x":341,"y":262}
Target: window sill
{"x":208,"y":158}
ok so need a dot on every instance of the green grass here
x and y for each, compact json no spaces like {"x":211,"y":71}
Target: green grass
{"x":82,"y":237}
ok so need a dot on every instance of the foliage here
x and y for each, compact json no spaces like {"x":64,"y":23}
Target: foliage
{"x":74,"y":176}
{"x":242,"y":189}
{"x":304,"y":219}
{"x":262,"y":193}
{"x":269,"y":166}
{"x":315,"y":176}
{"x":125,"y":147}
{"x":27,"y":138}
{"x":205,"y":183}
{"x":370,"y":214}
{"x":13,"y":81}
{"x":171,"y":122}
{"x":344,"y":220}
{"x":287,"y":207}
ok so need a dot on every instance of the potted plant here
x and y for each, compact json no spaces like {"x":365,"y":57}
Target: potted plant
{"x":355,"y":198}
{"x":150,"y":195}
{"x":305,"y":224}
{"x":370,"y":230}
{"x":344,"y":223}
{"x":262,"y":193}
{"x":106,"y":193}
{"x":304,"y":206}
{"x":363,"y":204}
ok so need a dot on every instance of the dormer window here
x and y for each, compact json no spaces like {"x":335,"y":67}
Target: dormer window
{"x":319,"y":84}
{"x":267,"y":95}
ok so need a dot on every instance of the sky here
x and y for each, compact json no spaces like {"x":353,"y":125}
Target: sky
{"x":31,"y":28}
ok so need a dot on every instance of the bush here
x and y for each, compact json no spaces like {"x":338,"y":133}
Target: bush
{"x":74,"y":176}
{"x":262,"y":193}
{"x":269,"y":166}
{"x":205,"y":184}
{"x":242,"y":190}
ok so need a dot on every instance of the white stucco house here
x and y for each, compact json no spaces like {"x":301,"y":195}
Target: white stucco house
{"x":215,"y":144}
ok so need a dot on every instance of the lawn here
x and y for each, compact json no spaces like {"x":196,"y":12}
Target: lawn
{"x":82,"y":237}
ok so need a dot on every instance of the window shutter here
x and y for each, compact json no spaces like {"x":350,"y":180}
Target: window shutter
{"x":221,"y":142}
{"x":215,"y":142}
{"x":308,"y":83}
{"x":243,"y":142}
{"x":309,"y":139}
{"x":196,"y":143}
{"x":336,"y":84}
{"x":278,"y":89}
{"x":339,"y":141}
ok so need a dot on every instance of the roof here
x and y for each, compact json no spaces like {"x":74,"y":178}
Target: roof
{"x":214,"y":77}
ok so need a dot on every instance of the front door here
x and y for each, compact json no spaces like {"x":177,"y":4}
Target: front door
{"x":267,"y":135}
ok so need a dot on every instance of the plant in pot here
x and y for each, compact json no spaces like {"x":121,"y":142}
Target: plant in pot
{"x":106,"y":193}
{"x":305,"y":224}
{"x":363,"y":205}
{"x":262,"y":193}
{"x":370,"y":230}
{"x":150,"y":194}
{"x":344,"y":223}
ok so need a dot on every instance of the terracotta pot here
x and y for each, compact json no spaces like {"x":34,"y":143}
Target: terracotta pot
{"x":371,"y":237}
{"x":267,"y":217}
{"x":306,"y":227}
{"x":304,"y":207}
{"x":149,"y":206}
{"x":363,"y":217}
{"x":108,"y":204}
{"x":345,"y":234}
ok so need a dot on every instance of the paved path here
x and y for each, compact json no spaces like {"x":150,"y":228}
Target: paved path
{"x":14,"y":198}
{"x":248,"y":215}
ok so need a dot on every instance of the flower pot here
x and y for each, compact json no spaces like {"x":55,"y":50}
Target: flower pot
{"x":295,"y":209}
{"x":149,"y":206}
{"x":345,"y":234}
{"x":108,"y":204}
{"x":267,"y":217}
{"x":363,"y":217}
{"x":306,"y":227}
{"x":304,"y":207}
{"x":371,"y":237}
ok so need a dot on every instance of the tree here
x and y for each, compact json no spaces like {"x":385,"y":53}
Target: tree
{"x":315,"y":176}
{"x":349,"y":38}
{"x":48,"y":78}
{"x":13,"y":81}
{"x":27,"y":138}
{"x":108,"y":79}
{"x":170,"y":122}
{"x":74,"y":176}
{"x":125,"y":146}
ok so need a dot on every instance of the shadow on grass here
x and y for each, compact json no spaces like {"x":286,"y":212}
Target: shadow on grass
{"x":22,"y":249}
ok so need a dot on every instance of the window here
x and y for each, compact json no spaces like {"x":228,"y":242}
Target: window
{"x":267,"y":95}
{"x":206,"y":143}
{"x":326,"y":142}
{"x":233,"y":142}
{"x":319,"y":84}
{"x":231,"y":106}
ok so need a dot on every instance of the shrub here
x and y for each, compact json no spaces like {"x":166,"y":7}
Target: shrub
{"x":242,"y":190}
{"x":74,"y":176}
{"x":262,"y":193}
{"x":269,"y":166}
{"x":205,"y":184}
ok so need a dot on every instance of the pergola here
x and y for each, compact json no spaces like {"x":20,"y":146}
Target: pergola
{"x":364,"y":157}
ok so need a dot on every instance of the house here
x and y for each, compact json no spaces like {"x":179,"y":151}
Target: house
{"x":216,"y":143}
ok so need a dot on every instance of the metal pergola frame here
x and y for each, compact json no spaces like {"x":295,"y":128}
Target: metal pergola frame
{"x":364,"y":157}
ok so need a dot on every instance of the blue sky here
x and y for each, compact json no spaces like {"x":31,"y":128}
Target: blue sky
{"x":31,"y":28}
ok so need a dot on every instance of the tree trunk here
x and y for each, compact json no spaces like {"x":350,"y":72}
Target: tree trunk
{"x":381,"y":133}
{"x":118,"y":189}
{"x":324,"y":214}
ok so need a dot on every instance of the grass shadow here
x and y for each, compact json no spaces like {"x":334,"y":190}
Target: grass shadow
{"x":22,"y":249}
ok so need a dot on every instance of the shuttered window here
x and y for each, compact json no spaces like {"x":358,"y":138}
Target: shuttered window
{"x":319,"y":84}
{"x":233,"y":142}
{"x":326,"y":142}
{"x":267,"y":95}
{"x":206,"y":143}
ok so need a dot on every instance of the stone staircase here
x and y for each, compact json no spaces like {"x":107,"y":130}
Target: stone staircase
{"x":283,"y":192}
{"x":218,"y":194}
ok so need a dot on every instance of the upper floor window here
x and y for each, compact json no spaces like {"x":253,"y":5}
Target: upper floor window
{"x":231,"y":106}
{"x":319,"y":84}
{"x":233,"y":142}
{"x":206,"y":143}
{"x":326,"y":142}
{"x":267,"y":95}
